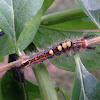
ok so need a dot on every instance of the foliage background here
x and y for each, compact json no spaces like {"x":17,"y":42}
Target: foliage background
{"x":60,"y":77}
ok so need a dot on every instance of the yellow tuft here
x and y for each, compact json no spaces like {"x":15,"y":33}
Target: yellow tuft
{"x":59,"y":48}
{"x":64,"y":45}
{"x":51,"y":52}
{"x":68,"y":44}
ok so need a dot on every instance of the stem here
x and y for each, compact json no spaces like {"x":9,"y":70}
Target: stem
{"x":10,"y":65}
{"x":93,"y":41}
{"x":63,"y":92}
{"x":18,"y":75}
{"x":62,"y":16}
{"x":46,"y":86}
{"x":17,"y":50}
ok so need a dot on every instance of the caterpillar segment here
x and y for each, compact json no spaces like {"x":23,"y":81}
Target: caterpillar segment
{"x":56,"y":50}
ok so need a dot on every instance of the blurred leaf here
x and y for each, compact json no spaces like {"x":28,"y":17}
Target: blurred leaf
{"x":86,"y":86}
{"x":1,"y":98}
{"x":47,"y":4}
{"x":28,"y":30}
{"x":8,"y":48}
{"x":10,"y":88}
{"x":91,"y":8}
{"x":64,"y":93}
{"x":2,"y":59}
{"x":33,"y":91}
{"x":48,"y":37}
{"x":75,"y":25}
{"x":46,"y":86}
{"x":62,"y":16}
{"x":30,"y":48}
{"x":18,"y":22}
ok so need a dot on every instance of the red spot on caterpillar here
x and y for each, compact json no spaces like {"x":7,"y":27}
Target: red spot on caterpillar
{"x":84,"y":44}
{"x":66,"y":50}
{"x":61,"y":52}
{"x":80,"y":43}
{"x":70,"y":49}
{"x":75,"y":44}
{"x":44,"y":57}
{"x":57,"y":44}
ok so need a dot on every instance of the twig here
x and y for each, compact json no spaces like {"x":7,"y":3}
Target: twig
{"x":10,"y":65}
{"x":17,"y":63}
{"x":62,"y":16}
{"x":93,"y":41}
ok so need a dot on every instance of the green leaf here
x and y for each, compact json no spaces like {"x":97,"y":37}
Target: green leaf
{"x":24,"y":39}
{"x":62,"y":16}
{"x":75,"y":25}
{"x":33,"y":91}
{"x":48,"y":37}
{"x":26,"y":35}
{"x":91,"y":8}
{"x":86,"y":86}
{"x":7,"y":47}
{"x":17,"y":20}
{"x":29,"y":31}
{"x":64,"y":93}
{"x":46,"y":86}
{"x":2,"y":59}
{"x":47,"y":4}
{"x":10,"y":89}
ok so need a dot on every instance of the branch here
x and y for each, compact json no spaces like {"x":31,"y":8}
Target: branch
{"x":62,"y":16}
{"x":93,"y":41}
{"x":17,"y":63}
{"x":10,"y":65}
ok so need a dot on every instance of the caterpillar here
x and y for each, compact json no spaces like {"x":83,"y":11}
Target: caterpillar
{"x":57,"y":50}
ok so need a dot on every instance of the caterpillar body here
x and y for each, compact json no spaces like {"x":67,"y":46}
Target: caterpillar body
{"x":56,"y":50}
